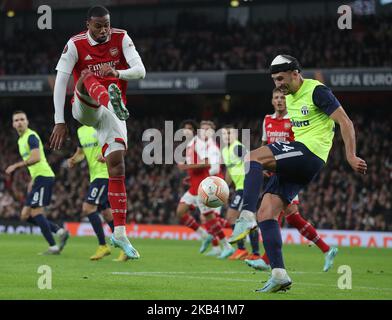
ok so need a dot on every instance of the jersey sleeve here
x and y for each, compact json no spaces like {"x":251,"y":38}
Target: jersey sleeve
{"x":130,"y":53}
{"x":68,"y":58}
{"x":33,"y":142}
{"x":264,"y":137}
{"x":325,"y":100}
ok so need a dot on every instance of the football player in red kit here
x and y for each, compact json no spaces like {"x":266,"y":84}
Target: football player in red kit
{"x":202,"y":161}
{"x":277,"y":128}
{"x":101,"y":59}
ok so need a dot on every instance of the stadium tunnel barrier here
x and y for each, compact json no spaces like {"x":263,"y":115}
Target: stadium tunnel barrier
{"x":367,"y":239}
{"x":212,"y":82}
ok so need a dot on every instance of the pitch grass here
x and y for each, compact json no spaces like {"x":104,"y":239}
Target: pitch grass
{"x":171,"y":270}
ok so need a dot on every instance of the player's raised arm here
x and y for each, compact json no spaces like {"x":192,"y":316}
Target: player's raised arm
{"x":136,"y":68}
{"x":64,"y":69}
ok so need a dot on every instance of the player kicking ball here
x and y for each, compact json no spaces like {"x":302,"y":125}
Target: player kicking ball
{"x":313,"y":111}
{"x":102,"y":59}
{"x":277,"y":128}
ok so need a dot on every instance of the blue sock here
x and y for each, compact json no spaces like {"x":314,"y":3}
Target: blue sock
{"x":43,"y":223}
{"x":240,"y":243}
{"x":96,"y":223}
{"x":254,"y":241}
{"x":252,"y":185}
{"x":53,"y":227}
{"x":111,"y":225}
{"x":272,"y":241}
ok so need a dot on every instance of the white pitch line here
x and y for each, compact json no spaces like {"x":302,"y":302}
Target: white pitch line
{"x":182,"y":274}
{"x":206,"y":272}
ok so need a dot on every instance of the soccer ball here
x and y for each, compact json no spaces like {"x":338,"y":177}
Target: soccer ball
{"x":213,"y":192}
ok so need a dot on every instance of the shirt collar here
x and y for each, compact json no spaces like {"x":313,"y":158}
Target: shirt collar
{"x":92,"y":42}
{"x":274,"y":116}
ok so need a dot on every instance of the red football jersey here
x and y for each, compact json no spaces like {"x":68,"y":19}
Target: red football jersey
{"x":94,"y":56}
{"x":197,"y":152}
{"x":277,"y":129}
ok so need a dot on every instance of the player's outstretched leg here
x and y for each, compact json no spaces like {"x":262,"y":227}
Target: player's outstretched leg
{"x":118,"y":202}
{"x":304,"y":227}
{"x":109,"y":98}
{"x":215,"y":228}
{"x":186,"y":219}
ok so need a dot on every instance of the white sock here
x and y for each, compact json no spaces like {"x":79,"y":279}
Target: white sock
{"x":119,"y":232}
{"x":279,"y":273}
{"x":60,"y":232}
{"x":203,"y":233}
{"x":248,"y":216}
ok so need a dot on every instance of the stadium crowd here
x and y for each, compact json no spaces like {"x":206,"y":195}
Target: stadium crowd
{"x":197,"y":43}
{"x":337,"y":199}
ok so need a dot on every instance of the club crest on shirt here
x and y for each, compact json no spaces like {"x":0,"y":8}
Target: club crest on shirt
{"x":113,"y":51}
{"x":304,"y":110}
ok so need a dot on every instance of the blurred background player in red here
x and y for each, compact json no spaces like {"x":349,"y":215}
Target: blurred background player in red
{"x":102,"y":59}
{"x":277,"y":128}
{"x":202,"y":161}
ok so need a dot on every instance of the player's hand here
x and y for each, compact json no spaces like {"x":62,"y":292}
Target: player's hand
{"x":10,"y":169}
{"x":71,"y":162}
{"x":108,"y":71}
{"x":58,"y":136}
{"x":101,"y":158}
{"x":359,"y":165}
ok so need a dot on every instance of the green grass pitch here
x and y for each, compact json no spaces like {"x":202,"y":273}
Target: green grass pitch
{"x":172,"y":270}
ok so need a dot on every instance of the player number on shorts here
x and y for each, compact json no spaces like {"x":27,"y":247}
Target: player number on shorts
{"x":94,"y":192}
{"x":36,"y":196}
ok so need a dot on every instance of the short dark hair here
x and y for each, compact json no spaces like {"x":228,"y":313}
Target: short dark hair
{"x":18,"y":111}
{"x":97,"y":11}
{"x":191,"y":122}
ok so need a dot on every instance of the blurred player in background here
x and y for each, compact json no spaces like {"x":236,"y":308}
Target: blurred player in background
{"x":277,"y":128}
{"x":97,"y":197}
{"x":313,"y":111}
{"x":102,"y":60}
{"x":202,"y":161}
{"x":42,"y":181}
{"x":233,"y":153}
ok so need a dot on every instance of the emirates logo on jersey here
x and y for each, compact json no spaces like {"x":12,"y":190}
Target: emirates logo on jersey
{"x":287,"y":125}
{"x":113,"y":52}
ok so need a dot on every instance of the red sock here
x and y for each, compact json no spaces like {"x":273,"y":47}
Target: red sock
{"x":118,"y":200}
{"x":265,"y":258}
{"x":189,"y":221}
{"x":96,"y":90}
{"x":215,"y":242}
{"x":307,"y":230}
{"x":214,"y":227}
{"x":224,"y":223}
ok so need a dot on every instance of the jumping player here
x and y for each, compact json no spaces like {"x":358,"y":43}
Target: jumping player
{"x":202,"y":160}
{"x":313,"y":111}
{"x":102,"y":59}
{"x":277,"y":128}
{"x":42,"y":182}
